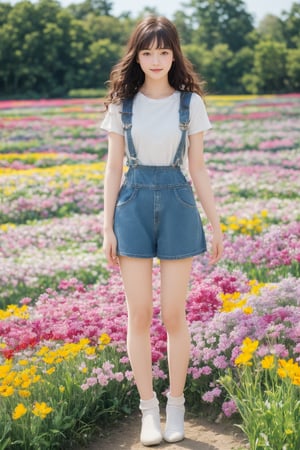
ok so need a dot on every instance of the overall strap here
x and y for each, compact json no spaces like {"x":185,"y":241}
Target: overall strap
{"x":127,"y":124}
{"x":184,"y":120}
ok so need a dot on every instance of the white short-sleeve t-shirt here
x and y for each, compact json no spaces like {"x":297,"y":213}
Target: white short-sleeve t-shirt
{"x":155,"y":126}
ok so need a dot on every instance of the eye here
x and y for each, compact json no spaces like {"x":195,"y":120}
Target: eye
{"x":165,"y":52}
{"x":145,"y":53}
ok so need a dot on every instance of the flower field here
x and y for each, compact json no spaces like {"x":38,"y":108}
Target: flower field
{"x":63,"y":364}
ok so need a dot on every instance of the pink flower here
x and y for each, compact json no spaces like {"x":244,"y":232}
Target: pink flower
{"x":119,"y":376}
{"x":25,"y":301}
{"x":220,"y":362}
{"x":124,"y":360}
{"x":91,"y":381}
{"x":103,"y":379}
{"x":206,"y":370}
{"x":209,"y":396}
{"x":129,"y":375}
{"x":229,"y":408}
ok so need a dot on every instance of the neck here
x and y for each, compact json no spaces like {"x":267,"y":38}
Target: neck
{"x":155,"y":89}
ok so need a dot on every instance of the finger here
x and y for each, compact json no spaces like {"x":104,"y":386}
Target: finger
{"x":213,"y":257}
{"x":108,"y":256}
{"x":215,"y":254}
{"x":114,"y":260}
{"x":219,"y":252}
{"x":109,"y":260}
{"x":114,"y":255}
{"x":113,"y":252}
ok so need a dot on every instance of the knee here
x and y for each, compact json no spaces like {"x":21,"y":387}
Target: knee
{"x":173,"y":320}
{"x":140,"y":319}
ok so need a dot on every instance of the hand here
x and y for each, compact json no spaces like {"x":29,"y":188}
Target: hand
{"x":110,"y":248}
{"x":217,"y":247}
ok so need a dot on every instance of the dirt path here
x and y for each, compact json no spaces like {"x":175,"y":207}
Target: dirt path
{"x":200,"y":435}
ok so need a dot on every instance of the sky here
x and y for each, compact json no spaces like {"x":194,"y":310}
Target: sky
{"x":257,"y":8}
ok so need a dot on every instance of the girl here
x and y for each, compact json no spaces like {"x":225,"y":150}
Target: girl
{"x":156,"y":117}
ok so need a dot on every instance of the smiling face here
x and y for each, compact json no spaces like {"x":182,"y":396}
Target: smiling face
{"x":155,"y":62}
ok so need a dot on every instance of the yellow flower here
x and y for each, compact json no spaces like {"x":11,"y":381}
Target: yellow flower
{"x":232,"y":301}
{"x":23,"y":362}
{"x":51,"y":370}
{"x":9,"y":379}
{"x":41,"y":410}
{"x":5,"y":227}
{"x":244,"y":359}
{"x":4,"y":370}
{"x":49,"y":359}
{"x":26,"y":384}
{"x":90,"y":351}
{"x":104,"y":339}
{"x":42,"y":351}
{"x":223,"y":227}
{"x":83,"y":342}
{"x":268,"y":362}
{"x":264,"y":213}
{"x":36,"y":378}
{"x":24,"y":393}
{"x":19,"y":411}
{"x":289,"y":369}
{"x":256,"y":288}
{"x":6,"y":391}
{"x":248,"y":310}
{"x":249,"y":346}
{"x":233,"y":226}
{"x":282,"y":373}
{"x":14,"y":311}
{"x":17,"y":381}
{"x":62,"y":388}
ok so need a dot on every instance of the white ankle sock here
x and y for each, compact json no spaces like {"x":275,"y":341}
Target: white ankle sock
{"x":151,"y":430}
{"x":175,"y":409}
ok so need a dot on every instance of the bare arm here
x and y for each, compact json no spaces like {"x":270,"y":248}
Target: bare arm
{"x":112,"y":181}
{"x":202,"y":184}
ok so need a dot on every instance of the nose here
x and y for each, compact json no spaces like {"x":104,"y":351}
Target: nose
{"x":155,"y":58}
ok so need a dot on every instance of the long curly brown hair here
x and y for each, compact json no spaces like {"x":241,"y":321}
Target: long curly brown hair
{"x":127,"y":77}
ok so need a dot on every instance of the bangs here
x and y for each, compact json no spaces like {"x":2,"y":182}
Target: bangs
{"x":158,"y":37}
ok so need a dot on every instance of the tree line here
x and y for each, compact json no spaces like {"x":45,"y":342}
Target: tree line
{"x":48,"y":50}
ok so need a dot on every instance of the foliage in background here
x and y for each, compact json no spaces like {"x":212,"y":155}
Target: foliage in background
{"x":49,"y":50}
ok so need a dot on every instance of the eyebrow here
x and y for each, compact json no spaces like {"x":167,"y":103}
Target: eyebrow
{"x":156,"y":48}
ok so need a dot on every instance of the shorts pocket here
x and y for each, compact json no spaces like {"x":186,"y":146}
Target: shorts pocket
{"x":126,"y":195}
{"x":185,"y":196}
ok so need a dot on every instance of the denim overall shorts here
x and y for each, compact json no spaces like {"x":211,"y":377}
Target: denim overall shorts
{"x":156,"y":213}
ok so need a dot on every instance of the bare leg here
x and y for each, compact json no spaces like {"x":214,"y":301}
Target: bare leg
{"x":137,"y":279}
{"x":175,"y":276}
